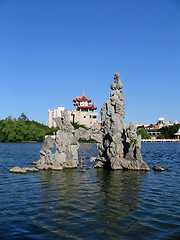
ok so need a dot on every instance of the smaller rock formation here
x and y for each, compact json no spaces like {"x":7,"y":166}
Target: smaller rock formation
{"x":158,"y":169}
{"x":23,"y":170}
{"x":119,"y":148}
{"x":66,"y":144}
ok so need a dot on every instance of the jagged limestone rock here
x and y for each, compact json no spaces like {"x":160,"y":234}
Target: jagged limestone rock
{"x":119,"y":148}
{"x":66,"y":143}
{"x":82,"y":133}
{"x":93,"y":133}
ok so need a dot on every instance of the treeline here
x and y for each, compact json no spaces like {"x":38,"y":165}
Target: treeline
{"x":23,"y":130}
{"x":166,"y":132}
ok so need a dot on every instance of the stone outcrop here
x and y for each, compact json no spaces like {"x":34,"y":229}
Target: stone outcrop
{"x":158,"y":168}
{"x":17,"y":169}
{"x":65,"y":144}
{"x":93,"y":133}
{"x":119,"y":147}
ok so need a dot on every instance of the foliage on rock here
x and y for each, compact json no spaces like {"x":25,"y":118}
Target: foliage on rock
{"x":77,"y":125}
{"x":133,"y":141}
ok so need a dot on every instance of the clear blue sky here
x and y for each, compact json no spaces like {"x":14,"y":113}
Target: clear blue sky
{"x":52,"y":50}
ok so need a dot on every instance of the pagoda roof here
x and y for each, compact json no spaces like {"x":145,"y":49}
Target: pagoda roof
{"x":82,"y":99}
{"x":77,"y":103}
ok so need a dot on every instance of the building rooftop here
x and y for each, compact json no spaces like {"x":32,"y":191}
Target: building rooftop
{"x":84,"y":103}
{"x":82,"y":99}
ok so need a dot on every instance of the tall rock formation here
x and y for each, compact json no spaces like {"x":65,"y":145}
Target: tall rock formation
{"x":119,"y":148}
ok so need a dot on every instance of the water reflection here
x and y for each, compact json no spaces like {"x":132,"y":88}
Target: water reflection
{"x":93,"y":203}
{"x":119,"y":192}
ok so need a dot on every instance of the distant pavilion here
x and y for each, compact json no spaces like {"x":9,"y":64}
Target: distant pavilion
{"x":177,"y":134}
{"x":84,"y":112}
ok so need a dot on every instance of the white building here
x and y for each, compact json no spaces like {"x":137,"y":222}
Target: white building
{"x":54,"y":114}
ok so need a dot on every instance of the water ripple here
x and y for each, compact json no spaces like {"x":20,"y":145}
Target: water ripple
{"x":96,"y":204}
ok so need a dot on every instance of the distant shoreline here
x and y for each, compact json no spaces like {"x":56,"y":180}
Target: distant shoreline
{"x":160,"y":140}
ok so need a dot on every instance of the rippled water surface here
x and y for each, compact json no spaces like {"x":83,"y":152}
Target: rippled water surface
{"x":96,"y":204}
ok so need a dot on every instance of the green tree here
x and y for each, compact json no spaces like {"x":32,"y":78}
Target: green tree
{"x":3,"y":136}
{"x":160,"y":136}
{"x":51,"y":131}
{"x":144,"y":134}
{"x":7,"y":128}
{"x":23,"y":130}
{"x":23,"y":117}
{"x":169,"y":131}
{"x":77,"y":125}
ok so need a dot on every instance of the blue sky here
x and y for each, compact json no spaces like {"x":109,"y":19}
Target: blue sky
{"x":52,"y":50}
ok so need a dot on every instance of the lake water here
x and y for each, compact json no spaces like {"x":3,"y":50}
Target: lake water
{"x":96,"y":204}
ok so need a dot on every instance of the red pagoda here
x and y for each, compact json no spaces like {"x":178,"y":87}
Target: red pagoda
{"x":84,"y":112}
{"x":84,"y":104}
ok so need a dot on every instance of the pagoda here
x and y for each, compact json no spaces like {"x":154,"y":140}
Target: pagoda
{"x":84,"y":104}
{"x":84,"y":112}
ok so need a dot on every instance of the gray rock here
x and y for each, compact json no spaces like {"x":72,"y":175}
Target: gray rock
{"x":99,"y":165}
{"x":118,"y":148}
{"x":17,"y":169}
{"x":66,"y":143}
{"x":82,"y":133}
{"x":158,"y":168}
{"x":92,"y":159}
{"x":93,"y":133}
{"x":31,"y":169}
{"x":117,"y":84}
{"x":24,"y":170}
